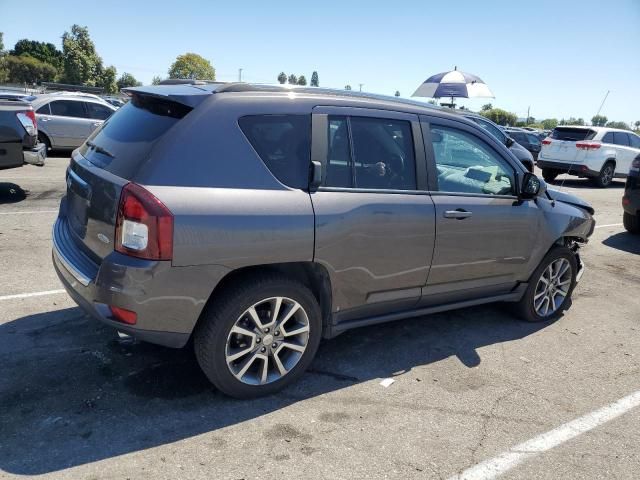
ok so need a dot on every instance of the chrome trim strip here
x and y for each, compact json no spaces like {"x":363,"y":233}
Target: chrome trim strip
{"x":79,"y":276}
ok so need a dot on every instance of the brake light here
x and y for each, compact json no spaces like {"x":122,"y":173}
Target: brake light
{"x":588,"y":145}
{"x":546,"y":141}
{"x":28,"y":121}
{"x":144,"y":225}
{"x":123,"y":315}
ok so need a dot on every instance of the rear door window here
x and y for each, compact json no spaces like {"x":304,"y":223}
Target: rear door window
{"x":621,"y":138}
{"x":97,"y":111}
{"x":124,"y":142}
{"x":572,"y":134}
{"x":608,"y":137}
{"x":634,"y":140}
{"x":68,"y":108}
{"x":44,"y":110}
{"x":283,"y":142}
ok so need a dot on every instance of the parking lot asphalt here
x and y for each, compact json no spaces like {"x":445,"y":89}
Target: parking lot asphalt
{"x":77,"y":402}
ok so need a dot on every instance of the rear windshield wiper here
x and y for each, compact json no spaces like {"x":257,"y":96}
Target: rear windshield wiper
{"x":101,"y":150}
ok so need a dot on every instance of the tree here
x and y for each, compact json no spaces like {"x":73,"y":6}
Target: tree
{"x":599,"y":120}
{"x":499,"y":116}
{"x":486,"y":106}
{"x":397,"y":94}
{"x":282,"y":78}
{"x":192,"y":65}
{"x":549,"y":123}
{"x":45,"y":52}
{"x":4,"y":74}
{"x":1,"y":42}
{"x":315,"y":81}
{"x":156,"y":80}
{"x":26,"y":69}
{"x":293,"y":80}
{"x":637,"y":124}
{"x":571,"y":121}
{"x":127,"y":80}
{"x":530,"y":120}
{"x":620,"y":125}
{"x":302,"y":80}
{"x":107,"y":79}
{"x":81,"y":63}
{"x":347,"y":87}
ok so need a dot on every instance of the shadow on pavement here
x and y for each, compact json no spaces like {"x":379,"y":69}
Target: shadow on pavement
{"x":11,"y":193}
{"x":72,"y":393}
{"x":624,"y":241}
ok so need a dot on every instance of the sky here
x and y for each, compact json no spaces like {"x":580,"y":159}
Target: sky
{"x":558,"y":58}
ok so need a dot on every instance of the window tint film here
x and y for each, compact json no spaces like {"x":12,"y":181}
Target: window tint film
{"x":44,"y":110}
{"x":608,"y":137}
{"x":124,"y":142}
{"x":283,"y":142}
{"x":68,"y":108}
{"x":634,"y":140}
{"x":465,"y":164}
{"x":338,"y":171}
{"x":621,"y":138}
{"x":572,"y":134}
{"x":383,"y":154}
{"x":98,"y":112}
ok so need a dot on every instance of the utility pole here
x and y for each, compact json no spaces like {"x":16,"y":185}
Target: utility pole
{"x":361,"y":86}
{"x":239,"y":74}
{"x":526,"y":122}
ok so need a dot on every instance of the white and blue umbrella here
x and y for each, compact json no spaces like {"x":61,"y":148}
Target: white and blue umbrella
{"x":453,"y":84}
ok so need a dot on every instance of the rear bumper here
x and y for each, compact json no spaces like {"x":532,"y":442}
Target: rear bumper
{"x":168,"y":300}
{"x":578,"y":169}
{"x":36,"y":155}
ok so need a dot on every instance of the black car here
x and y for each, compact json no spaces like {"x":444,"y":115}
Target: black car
{"x":631,"y":199}
{"x":528,"y":140}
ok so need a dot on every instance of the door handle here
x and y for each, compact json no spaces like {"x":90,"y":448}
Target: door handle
{"x":97,"y":124}
{"x":458,"y":214}
{"x":44,"y":119}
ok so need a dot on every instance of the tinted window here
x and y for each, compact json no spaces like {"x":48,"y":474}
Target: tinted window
{"x":44,"y":109}
{"x":98,"y":112}
{"x":533,"y":140}
{"x":338,"y":171}
{"x":608,"y":137}
{"x":68,"y":108}
{"x":621,"y":138}
{"x":634,"y":140}
{"x":467,"y":164}
{"x":493,"y":130}
{"x":572,"y":134}
{"x":130,"y":134}
{"x":283,"y":142}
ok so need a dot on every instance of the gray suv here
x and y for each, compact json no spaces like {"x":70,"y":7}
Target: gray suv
{"x":66,"y":119}
{"x":256,"y":220}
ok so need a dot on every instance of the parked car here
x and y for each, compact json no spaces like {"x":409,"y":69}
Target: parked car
{"x":302,"y":213}
{"x":631,"y":198}
{"x":528,"y":140}
{"x":116,"y":102}
{"x":598,"y":153}
{"x":66,"y":119}
{"x":19,"y":134}
{"x":519,"y":151}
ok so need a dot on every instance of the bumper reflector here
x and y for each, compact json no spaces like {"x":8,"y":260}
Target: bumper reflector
{"x":123,"y":315}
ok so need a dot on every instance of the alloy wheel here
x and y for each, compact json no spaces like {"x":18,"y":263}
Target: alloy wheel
{"x":267,"y":341}
{"x":607,"y":175}
{"x":552,"y":287}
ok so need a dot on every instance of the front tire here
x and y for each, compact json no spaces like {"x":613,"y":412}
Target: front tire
{"x":258,"y":336}
{"x":549,"y":174}
{"x":631,"y":223}
{"x":605,"y":177}
{"x":550,"y":287}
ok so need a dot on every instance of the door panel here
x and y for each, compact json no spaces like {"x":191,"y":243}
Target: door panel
{"x":68,"y":125}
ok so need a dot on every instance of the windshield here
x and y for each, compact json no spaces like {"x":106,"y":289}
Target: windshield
{"x":572,"y":134}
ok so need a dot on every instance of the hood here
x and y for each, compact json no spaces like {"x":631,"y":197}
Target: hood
{"x":570,"y":199}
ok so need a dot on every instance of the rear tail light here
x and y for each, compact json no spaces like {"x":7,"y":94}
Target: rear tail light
{"x":28,"y":121}
{"x":588,"y":145}
{"x":144,"y":225}
{"x":546,"y":141}
{"x":123,"y":315}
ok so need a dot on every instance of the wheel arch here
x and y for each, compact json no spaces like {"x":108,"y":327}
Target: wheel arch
{"x":45,"y":135}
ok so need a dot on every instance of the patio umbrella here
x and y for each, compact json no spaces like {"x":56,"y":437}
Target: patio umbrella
{"x":453,"y":84}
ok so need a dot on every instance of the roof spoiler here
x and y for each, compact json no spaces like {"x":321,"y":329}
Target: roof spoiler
{"x":190,"y":95}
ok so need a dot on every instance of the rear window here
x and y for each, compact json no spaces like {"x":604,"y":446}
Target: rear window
{"x":126,"y":139}
{"x":283,"y":142}
{"x":572,"y":134}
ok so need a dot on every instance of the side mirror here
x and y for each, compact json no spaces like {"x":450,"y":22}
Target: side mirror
{"x":530,"y":187}
{"x":509,"y":141}
{"x":316,"y":175}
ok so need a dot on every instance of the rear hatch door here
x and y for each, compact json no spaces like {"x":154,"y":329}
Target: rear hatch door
{"x":563,"y":144}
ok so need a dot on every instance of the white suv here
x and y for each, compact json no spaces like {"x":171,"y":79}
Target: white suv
{"x":599,"y":153}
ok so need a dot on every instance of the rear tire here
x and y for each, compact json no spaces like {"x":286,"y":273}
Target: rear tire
{"x":546,"y":290}
{"x":42,"y":138}
{"x":264,"y":361}
{"x":605,"y":177}
{"x":631,"y":223}
{"x":549,"y":174}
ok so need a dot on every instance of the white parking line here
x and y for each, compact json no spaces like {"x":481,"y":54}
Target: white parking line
{"x":496,"y":466}
{"x":610,"y":225}
{"x":32,"y":294}
{"x":29,"y":211}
